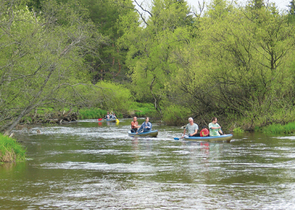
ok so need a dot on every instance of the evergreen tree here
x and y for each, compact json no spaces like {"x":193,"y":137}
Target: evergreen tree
{"x":292,"y":7}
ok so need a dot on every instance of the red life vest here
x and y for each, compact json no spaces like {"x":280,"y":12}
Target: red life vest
{"x":204,"y":132}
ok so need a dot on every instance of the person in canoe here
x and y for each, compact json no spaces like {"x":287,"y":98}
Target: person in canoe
{"x":191,"y":128}
{"x":114,"y":116}
{"x":107,"y":116}
{"x":145,"y":126}
{"x":134,"y":125}
{"x":215,"y":128}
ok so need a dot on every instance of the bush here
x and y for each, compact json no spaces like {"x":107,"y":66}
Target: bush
{"x":238,"y":130}
{"x":114,"y":97}
{"x":91,"y":113}
{"x":175,"y":115}
{"x":142,"y":109}
{"x":279,"y":129}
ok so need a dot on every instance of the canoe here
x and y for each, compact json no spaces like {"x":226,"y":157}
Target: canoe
{"x":153,"y":133}
{"x":225,"y":137}
{"x":111,"y":120}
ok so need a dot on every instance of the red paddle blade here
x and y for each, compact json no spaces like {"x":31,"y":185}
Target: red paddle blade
{"x":100,"y":119}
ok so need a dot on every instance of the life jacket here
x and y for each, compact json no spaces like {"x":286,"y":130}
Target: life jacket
{"x":204,"y":132}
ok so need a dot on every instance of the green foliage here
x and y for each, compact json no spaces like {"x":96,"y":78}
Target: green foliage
{"x":234,"y":62}
{"x":238,"y":130}
{"x":10,"y":150}
{"x":41,"y":57}
{"x":113,"y":97}
{"x":175,"y":115}
{"x":152,"y":49}
{"x":279,"y":129}
{"x":142,"y":109}
{"x":108,"y":62}
{"x":91,"y":113}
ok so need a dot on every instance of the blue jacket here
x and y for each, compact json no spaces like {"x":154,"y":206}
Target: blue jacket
{"x":145,"y":127}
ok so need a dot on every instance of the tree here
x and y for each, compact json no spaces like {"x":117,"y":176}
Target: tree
{"x":40,"y":61}
{"x":110,"y":63}
{"x":242,"y":60}
{"x":292,"y":7}
{"x":150,"y":49}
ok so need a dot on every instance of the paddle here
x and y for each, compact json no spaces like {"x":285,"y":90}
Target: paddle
{"x":179,"y":138}
{"x":99,"y":119}
{"x":117,"y":121}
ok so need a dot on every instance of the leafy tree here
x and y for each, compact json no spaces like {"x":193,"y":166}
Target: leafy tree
{"x":150,"y":49}
{"x":106,"y":14}
{"x":242,"y":62}
{"x":217,"y":9}
{"x":40,"y":58}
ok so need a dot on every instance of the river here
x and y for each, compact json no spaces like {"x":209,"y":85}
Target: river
{"x":91,"y":165}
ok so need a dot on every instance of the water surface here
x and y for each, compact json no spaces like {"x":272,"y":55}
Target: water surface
{"x":91,"y":165}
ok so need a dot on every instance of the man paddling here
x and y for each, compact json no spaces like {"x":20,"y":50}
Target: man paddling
{"x":191,"y":128}
{"x":134,"y":125}
{"x":215,"y":128}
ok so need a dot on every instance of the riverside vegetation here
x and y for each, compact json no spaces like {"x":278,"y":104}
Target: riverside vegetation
{"x":10,"y":150}
{"x":235,"y":62}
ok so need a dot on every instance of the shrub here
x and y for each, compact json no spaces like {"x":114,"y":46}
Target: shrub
{"x":91,"y":113}
{"x":175,"y":115}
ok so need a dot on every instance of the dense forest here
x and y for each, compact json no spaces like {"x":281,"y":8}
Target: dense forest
{"x":220,"y":59}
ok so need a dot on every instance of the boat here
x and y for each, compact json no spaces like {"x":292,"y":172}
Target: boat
{"x":111,"y":120}
{"x":225,"y":137}
{"x":153,"y":133}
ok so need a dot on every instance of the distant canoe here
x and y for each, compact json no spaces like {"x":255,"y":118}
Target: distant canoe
{"x":111,"y":120}
{"x":225,"y":137}
{"x":153,"y":133}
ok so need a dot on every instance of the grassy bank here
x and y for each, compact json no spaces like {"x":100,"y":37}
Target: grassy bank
{"x":10,"y":150}
{"x":136,"y":109}
{"x":91,"y":113}
{"x":279,"y":129}
{"x":142,"y":110}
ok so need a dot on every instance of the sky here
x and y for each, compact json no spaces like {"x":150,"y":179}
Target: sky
{"x":281,"y":4}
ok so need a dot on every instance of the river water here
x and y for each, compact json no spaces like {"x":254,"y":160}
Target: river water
{"x":91,"y":165}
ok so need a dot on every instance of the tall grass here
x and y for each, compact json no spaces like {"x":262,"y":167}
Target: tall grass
{"x":10,"y":150}
{"x":91,"y":113}
{"x":279,"y":129}
{"x":143,"y":109}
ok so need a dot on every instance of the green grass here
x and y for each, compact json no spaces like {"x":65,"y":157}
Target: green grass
{"x":279,"y":129}
{"x":238,"y":130}
{"x":91,"y":113}
{"x":10,"y":150}
{"x":143,"y":109}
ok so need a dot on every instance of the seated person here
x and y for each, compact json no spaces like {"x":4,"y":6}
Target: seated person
{"x":215,"y":128}
{"x":107,"y":116}
{"x":191,"y":128}
{"x":114,"y":116}
{"x":146,"y":126}
{"x":134,"y":125}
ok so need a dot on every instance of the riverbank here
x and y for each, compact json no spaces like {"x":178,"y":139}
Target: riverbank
{"x":10,"y":150}
{"x":50,"y":116}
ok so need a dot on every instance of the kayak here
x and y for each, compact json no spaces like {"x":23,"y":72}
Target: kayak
{"x":225,"y":137}
{"x":153,"y":133}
